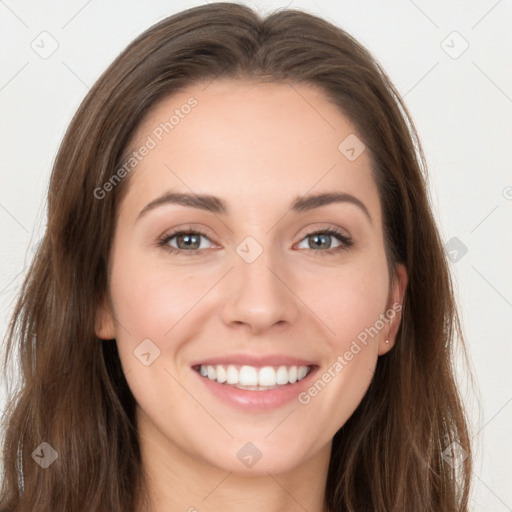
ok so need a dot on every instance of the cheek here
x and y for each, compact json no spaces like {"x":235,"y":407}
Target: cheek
{"x":339,"y":386}
{"x":350,"y":352}
{"x":150,"y":298}
{"x":350,"y":303}
{"x":151,"y":307}
{"x":348,"y":300}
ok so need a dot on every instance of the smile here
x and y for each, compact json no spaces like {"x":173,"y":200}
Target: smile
{"x":253,"y":378}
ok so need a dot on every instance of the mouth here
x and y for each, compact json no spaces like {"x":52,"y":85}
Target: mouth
{"x":254,"y":378}
{"x":254,"y":383}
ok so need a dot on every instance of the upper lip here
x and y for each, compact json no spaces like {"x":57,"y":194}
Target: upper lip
{"x":254,"y":360}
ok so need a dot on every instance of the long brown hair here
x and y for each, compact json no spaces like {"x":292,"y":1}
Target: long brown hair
{"x":391,"y":455}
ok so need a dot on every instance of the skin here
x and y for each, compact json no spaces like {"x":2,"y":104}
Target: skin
{"x":294,"y":299}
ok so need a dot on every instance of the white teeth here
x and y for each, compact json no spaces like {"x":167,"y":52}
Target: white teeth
{"x":221,"y":374}
{"x":231,"y":375}
{"x":267,"y":376}
{"x":212,"y":374}
{"x":302,"y":371}
{"x":248,"y":376}
{"x":282,"y":375}
{"x":252,"y":377}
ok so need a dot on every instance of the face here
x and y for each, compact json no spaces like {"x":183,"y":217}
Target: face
{"x":256,"y":286}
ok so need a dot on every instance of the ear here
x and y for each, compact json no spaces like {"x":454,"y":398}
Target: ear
{"x":393,"y":312}
{"x":104,"y":325}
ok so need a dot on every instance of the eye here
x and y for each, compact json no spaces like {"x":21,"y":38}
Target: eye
{"x":322,"y":239}
{"x":184,"y":240}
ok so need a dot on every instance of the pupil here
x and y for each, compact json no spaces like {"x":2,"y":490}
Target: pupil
{"x":189,"y":240}
{"x":319,"y":237}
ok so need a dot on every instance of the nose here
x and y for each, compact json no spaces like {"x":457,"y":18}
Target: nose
{"x":260,"y":295}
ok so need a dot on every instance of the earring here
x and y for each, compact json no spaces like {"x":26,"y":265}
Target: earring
{"x":387,"y":341}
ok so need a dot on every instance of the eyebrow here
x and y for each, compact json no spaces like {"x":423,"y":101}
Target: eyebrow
{"x":218,"y":206}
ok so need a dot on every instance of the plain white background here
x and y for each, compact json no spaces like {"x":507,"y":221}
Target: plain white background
{"x":450,"y":61}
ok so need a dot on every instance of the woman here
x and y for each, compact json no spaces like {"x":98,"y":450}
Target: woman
{"x":241,"y":299}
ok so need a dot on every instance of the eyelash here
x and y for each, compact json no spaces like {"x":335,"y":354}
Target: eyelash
{"x":346,"y":242}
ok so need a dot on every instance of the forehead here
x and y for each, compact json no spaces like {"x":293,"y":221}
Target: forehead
{"x":249,"y":142}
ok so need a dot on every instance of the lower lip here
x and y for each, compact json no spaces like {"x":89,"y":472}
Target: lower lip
{"x":257,"y":400}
